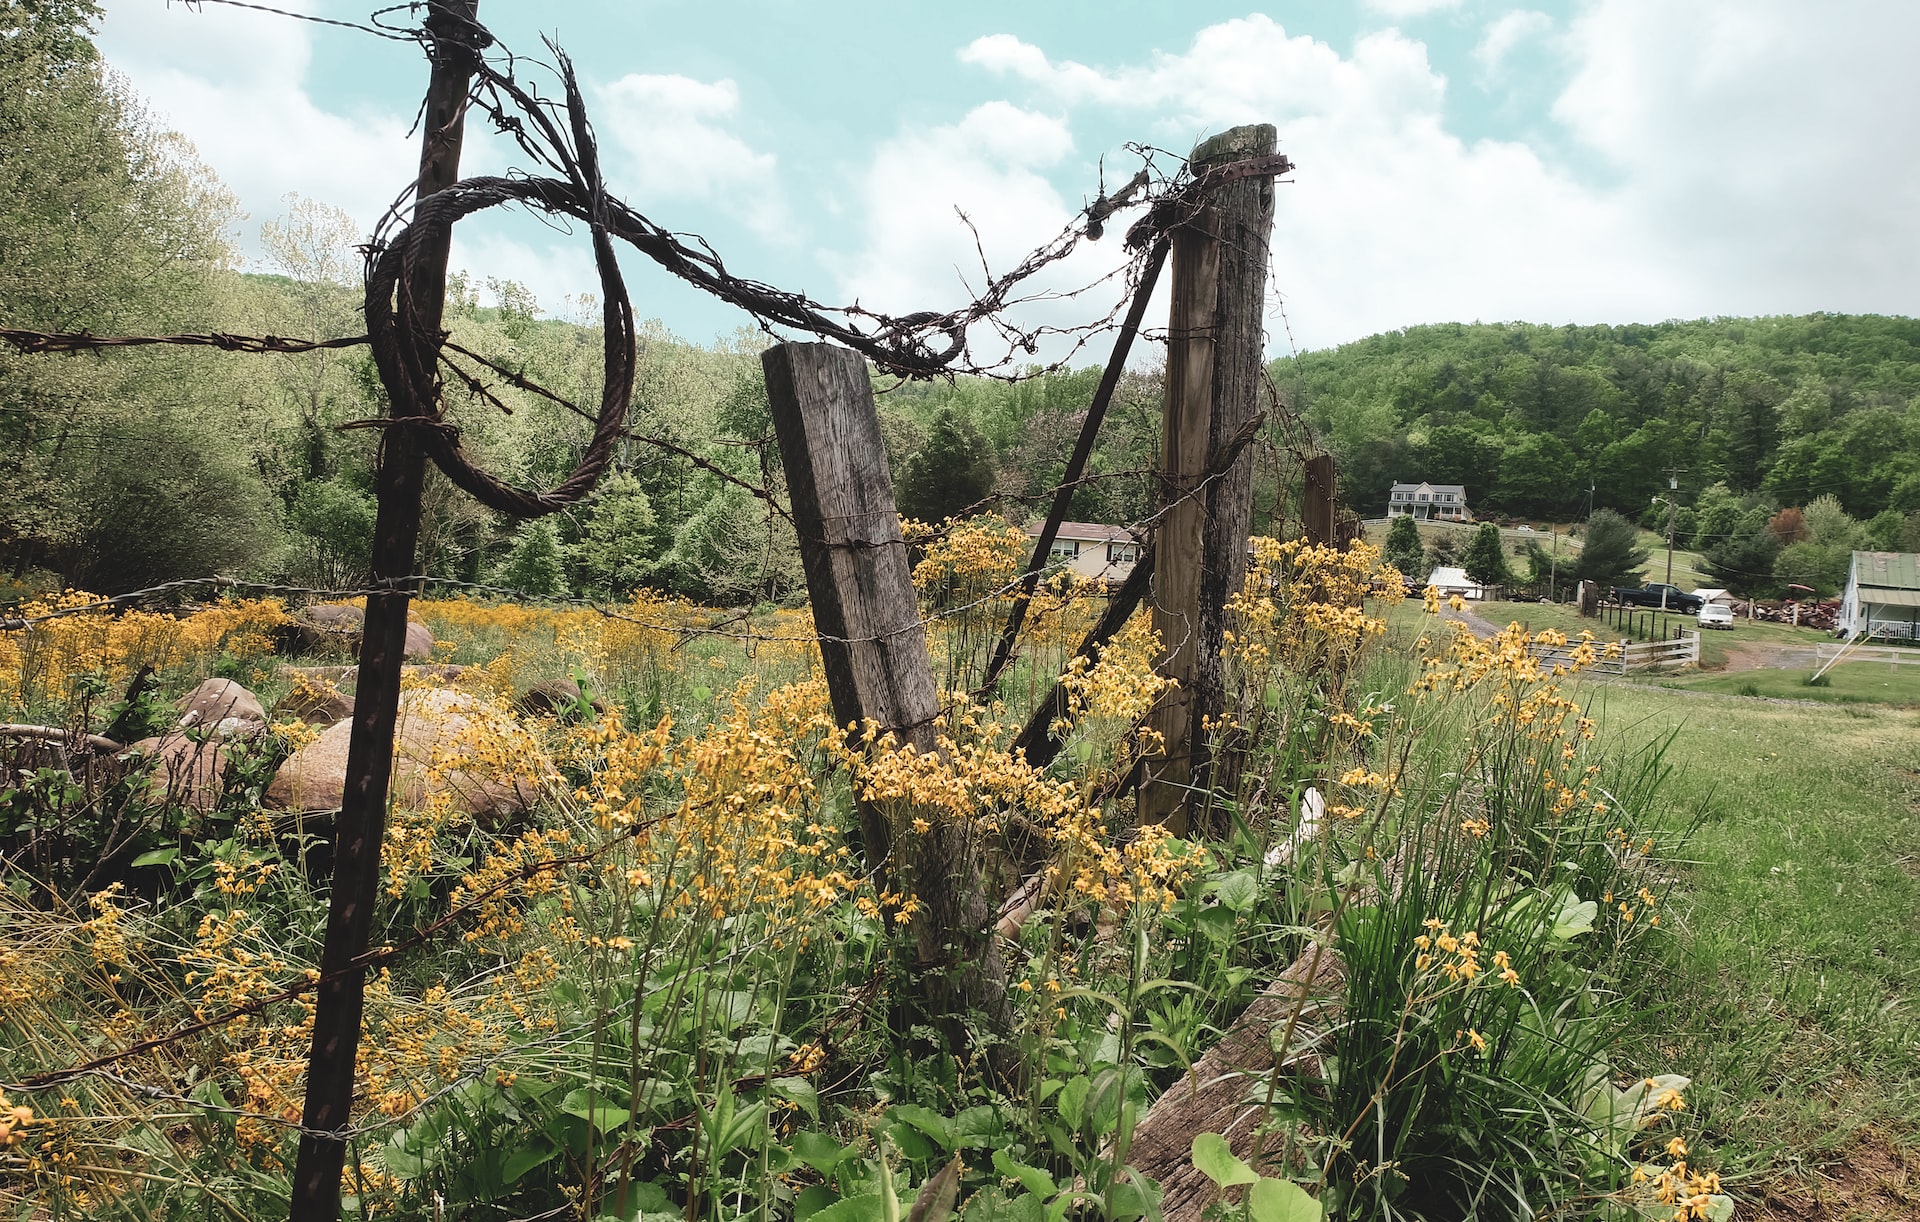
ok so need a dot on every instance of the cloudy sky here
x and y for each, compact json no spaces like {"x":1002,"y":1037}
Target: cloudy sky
{"x":1585,"y":161}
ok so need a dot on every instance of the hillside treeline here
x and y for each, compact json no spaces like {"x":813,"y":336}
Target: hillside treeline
{"x":1534,"y":419}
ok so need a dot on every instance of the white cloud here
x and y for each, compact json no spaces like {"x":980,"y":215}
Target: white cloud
{"x":672,"y":128}
{"x":1401,"y":10}
{"x":1392,"y":219}
{"x":1505,"y":33}
{"x":991,"y":165}
{"x":234,"y":83}
{"x":1766,"y":147}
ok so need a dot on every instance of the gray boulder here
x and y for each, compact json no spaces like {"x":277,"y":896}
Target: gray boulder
{"x":433,"y":722}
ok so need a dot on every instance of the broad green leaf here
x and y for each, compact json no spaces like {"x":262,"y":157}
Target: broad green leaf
{"x":819,"y":1151}
{"x":535,"y":1153}
{"x":1033,"y":1179}
{"x":979,"y":1128}
{"x":812,"y":1199}
{"x":863,"y":1208}
{"x":1281,"y":1201}
{"x":1574,"y":918}
{"x":798,"y":1091}
{"x":1073,"y":1100}
{"x":158,"y":857}
{"x":1239,"y":890}
{"x":992,"y":1205}
{"x":597,"y":1112}
{"x":1215,"y":1159}
{"x":928,"y":1121}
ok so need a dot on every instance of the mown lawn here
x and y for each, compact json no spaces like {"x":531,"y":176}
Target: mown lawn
{"x":1795,"y":992}
{"x":1847,"y":683}
{"x":1715,"y":643}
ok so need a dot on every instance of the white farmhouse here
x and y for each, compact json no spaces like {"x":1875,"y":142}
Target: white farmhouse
{"x":1882,"y":598}
{"x":1091,"y":550}
{"x":1429,"y":502}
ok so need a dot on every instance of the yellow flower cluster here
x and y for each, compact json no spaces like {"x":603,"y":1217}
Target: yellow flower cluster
{"x":40,"y":663}
{"x":1303,"y":606}
{"x":1457,"y":957}
{"x":13,"y":1122}
{"x":966,"y":557}
{"x":1121,"y":686}
{"x":968,"y":778}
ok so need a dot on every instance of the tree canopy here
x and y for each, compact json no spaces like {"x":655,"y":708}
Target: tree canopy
{"x":1530,"y":418}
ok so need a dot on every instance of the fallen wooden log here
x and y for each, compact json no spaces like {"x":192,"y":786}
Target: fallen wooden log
{"x":98,"y":742}
{"x":1226,"y":1093}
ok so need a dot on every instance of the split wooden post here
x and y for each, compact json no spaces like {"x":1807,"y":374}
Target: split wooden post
{"x":1319,"y":515}
{"x":873,"y":648}
{"x":340,"y":996}
{"x":1216,"y":343}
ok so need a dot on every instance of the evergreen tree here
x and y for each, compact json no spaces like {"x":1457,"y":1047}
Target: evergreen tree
{"x":952,"y":472}
{"x":615,"y":554}
{"x":1403,"y":550}
{"x":534,"y":563}
{"x":1743,"y":561}
{"x":1610,"y":554}
{"x":1485,"y":560}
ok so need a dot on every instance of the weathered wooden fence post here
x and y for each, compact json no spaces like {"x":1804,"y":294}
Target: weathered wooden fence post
{"x":1216,"y":345}
{"x":873,"y":648}
{"x":340,"y":997}
{"x":1320,"y":513}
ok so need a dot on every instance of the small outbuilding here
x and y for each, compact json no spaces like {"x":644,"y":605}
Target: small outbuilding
{"x":1882,"y":598}
{"x":1450,"y":580}
{"x":1708,"y":594}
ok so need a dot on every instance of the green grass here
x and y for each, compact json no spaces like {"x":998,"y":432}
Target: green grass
{"x":1715,"y":643}
{"x":1796,"y":975}
{"x":1847,"y":683}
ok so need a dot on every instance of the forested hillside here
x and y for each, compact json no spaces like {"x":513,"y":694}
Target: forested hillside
{"x":1530,"y":418}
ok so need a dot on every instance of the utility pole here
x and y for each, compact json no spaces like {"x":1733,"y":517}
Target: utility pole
{"x":341,"y":996}
{"x":1673,"y":511}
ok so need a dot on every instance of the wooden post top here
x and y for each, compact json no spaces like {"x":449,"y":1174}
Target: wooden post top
{"x":1235,"y":144}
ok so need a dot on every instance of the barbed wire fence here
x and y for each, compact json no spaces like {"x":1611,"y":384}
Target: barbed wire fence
{"x":405,"y":264}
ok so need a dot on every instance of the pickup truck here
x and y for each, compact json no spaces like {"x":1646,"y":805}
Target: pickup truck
{"x":1650,"y":595}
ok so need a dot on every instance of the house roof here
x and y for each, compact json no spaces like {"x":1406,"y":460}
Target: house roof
{"x":1711,"y":594}
{"x":1086,"y":532}
{"x":1886,"y":571}
{"x":1447,"y":575}
{"x":1461,"y":489}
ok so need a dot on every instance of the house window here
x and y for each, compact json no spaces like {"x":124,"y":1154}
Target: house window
{"x":1063,"y":549}
{"x":1122,"y":553}
{"x":1423,"y":496}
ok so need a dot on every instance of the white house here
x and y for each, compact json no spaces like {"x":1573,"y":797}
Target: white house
{"x":1882,"y":598}
{"x":1710,"y":594}
{"x":1091,"y":550}
{"x":1431,"y":502}
{"x":1450,"y":580}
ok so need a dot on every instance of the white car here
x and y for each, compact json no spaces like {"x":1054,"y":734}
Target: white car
{"x":1715,"y":615}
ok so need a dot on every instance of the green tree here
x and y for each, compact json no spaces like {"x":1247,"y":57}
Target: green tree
{"x":1485,"y":559}
{"x":333,"y":539}
{"x":534,"y":563}
{"x":123,"y":469}
{"x":948,"y":475}
{"x":1742,"y":561}
{"x":1610,"y":554}
{"x":615,"y":553}
{"x":1403,"y":550}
